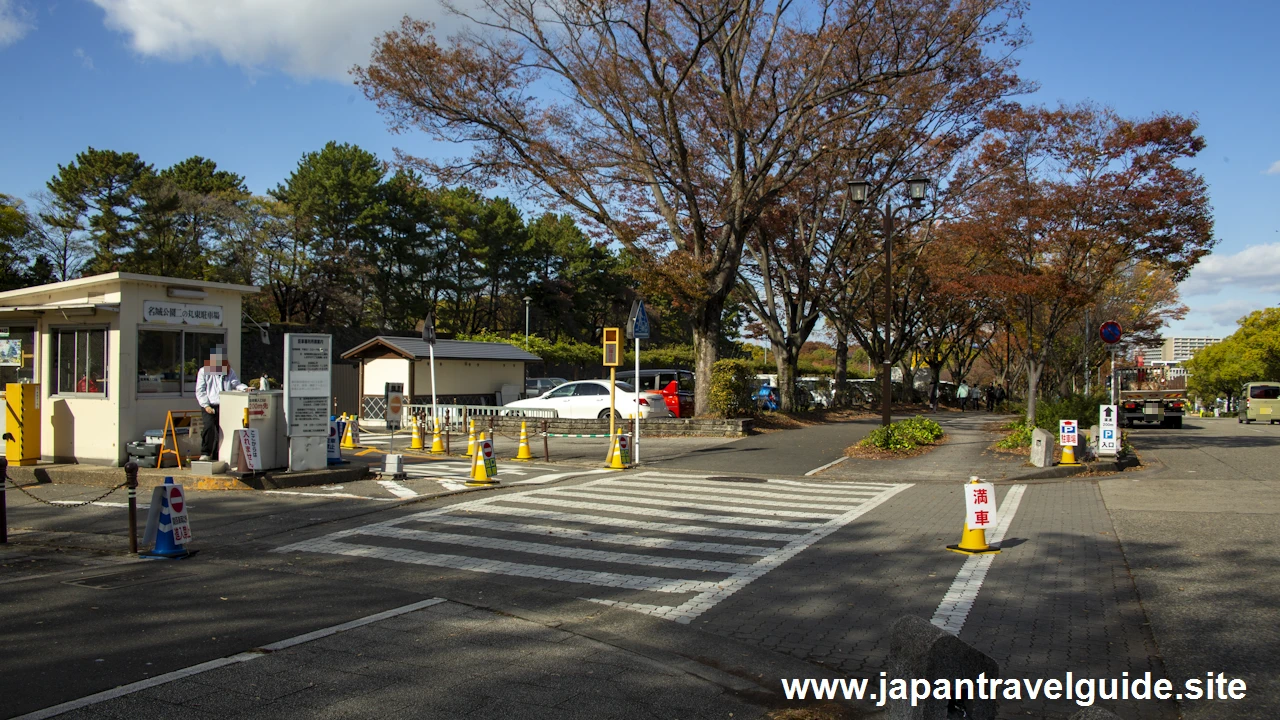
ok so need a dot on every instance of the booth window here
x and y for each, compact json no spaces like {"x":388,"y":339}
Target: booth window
{"x":17,"y":356}
{"x":80,"y":361}
{"x":168,"y":360}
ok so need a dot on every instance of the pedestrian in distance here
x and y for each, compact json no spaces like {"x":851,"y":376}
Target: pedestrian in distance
{"x":989,"y":394}
{"x":962,"y":395}
{"x":213,"y":378}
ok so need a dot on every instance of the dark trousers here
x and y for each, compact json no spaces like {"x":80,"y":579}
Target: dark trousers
{"x":209,"y":434}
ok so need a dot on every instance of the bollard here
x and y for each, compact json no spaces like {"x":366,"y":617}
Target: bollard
{"x":131,"y":480}
{"x":546,"y":442}
{"x":4,"y":493}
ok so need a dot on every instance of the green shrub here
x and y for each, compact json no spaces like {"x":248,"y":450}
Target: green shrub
{"x":1019,"y":436}
{"x":1083,"y":408}
{"x":920,"y":430}
{"x":904,"y":435}
{"x":888,"y":437}
{"x":731,"y":389}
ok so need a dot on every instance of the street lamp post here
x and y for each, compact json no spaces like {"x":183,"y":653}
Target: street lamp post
{"x":527,"y":300}
{"x":917,"y":186}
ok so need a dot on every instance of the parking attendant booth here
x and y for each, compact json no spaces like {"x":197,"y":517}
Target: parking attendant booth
{"x":112,"y":355}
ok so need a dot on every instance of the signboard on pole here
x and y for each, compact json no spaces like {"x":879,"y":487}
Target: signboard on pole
{"x":1108,"y":430}
{"x":394,"y":393}
{"x":1068,"y":433}
{"x":307,"y":378}
{"x":980,"y":505}
{"x":638,"y":323}
{"x":1110,"y":332}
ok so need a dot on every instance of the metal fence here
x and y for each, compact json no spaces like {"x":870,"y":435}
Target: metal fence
{"x":456,"y":416}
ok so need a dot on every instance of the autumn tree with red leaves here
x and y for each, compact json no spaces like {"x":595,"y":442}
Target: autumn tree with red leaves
{"x":670,"y":125}
{"x":1069,"y":199}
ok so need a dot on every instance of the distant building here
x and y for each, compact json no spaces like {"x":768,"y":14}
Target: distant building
{"x":1177,"y":349}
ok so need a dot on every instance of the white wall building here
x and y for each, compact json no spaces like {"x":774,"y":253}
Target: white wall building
{"x":113,"y":354}
{"x":1177,"y":349}
{"x":467,"y":373}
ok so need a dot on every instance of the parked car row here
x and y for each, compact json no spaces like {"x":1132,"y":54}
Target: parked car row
{"x":663,"y":393}
{"x":590,"y":399}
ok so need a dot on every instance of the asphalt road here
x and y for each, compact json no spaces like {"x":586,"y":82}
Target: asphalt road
{"x":1201,"y":533}
{"x":1169,"y":570}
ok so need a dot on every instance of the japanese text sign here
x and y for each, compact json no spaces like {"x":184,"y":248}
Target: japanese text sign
{"x":980,"y":505}
{"x":1067,"y":433}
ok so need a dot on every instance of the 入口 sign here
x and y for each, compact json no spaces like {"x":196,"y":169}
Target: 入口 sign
{"x":1108,"y":430}
{"x":980,"y":505}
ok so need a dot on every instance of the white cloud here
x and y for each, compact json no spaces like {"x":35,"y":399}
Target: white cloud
{"x":15,"y":22}
{"x":1274,"y":169}
{"x":85,"y":59}
{"x":1254,"y":269}
{"x":304,"y":38}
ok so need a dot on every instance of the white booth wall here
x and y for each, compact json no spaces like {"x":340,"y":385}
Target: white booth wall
{"x":94,"y":427}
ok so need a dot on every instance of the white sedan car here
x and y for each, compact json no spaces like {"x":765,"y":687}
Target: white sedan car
{"x":590,"y":399}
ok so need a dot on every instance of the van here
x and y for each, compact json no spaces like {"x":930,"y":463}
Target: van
{"x":676,"y":387}
{"x":1261,"y":402}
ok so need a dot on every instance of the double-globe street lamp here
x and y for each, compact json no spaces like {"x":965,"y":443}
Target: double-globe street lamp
{"x":917,"y":186}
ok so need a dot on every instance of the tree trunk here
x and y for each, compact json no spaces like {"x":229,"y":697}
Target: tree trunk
{"x":706,"y":337}
{"x":935,"y":384}
{"x":1034,"y":368}
{"x":840,"y":398}
{"x":788,"y":360}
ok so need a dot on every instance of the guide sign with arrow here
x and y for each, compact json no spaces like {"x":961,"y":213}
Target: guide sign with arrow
{"x":1108,"y":430}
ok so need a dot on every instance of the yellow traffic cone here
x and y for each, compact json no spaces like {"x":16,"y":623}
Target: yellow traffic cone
{"x":480,"y":470}
{"x":437,"y":445}
{"x":1068,"y":455}
{"x":351,"y":435}
{"x":523,"y":453}
{"x":615,"y":453}
{"x":471,"y":438}
{"x":415,"y":440}
{"x":973,"y":541}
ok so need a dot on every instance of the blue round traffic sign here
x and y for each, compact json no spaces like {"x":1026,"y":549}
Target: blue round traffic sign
{"x":1110,"y":332}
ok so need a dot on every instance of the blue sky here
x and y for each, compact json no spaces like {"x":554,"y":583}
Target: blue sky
{"x":254,"y":85}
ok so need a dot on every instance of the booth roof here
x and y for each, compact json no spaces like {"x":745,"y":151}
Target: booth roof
{"x":121,"y":277}
{"x":417,"y":349}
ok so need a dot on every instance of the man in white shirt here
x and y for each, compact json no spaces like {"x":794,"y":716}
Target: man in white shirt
{"x":215,"y":377}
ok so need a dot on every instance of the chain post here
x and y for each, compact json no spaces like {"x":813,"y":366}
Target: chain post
{"x":131,"y":481}
{"x":546,"y":442}
{"x":4,"y":494}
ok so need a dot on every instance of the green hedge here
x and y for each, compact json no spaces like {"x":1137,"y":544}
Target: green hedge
{"x":731,"y":389}
{"x":904,"y":435}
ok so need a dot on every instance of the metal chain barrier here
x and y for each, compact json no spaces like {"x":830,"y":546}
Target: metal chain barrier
{"x":23,"y":490}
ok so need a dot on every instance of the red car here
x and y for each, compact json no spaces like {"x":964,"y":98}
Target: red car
{"x":676,"y":387}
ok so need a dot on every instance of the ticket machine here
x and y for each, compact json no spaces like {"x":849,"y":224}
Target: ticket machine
{"x":264,"y":412}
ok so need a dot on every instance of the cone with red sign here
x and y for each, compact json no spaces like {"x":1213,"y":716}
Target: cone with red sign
{"x":484,"y":465}
{"x":351,"y":437}
{"x":619,"y":452}
{"x":167,"y":523}
{"x":973,"y":540}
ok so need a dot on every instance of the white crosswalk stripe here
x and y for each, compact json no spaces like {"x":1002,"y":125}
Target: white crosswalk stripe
{"x":660,"y":556}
